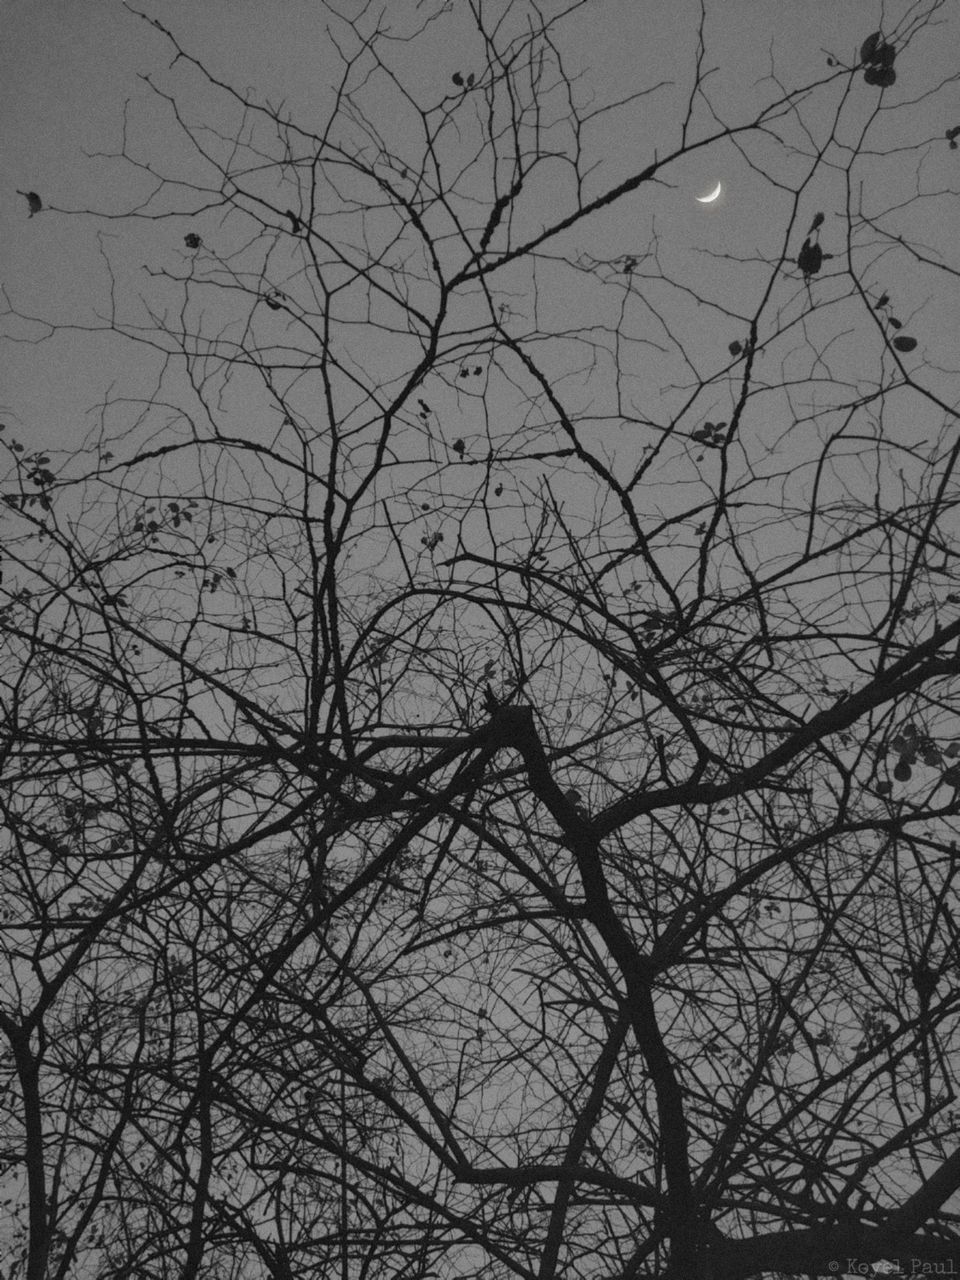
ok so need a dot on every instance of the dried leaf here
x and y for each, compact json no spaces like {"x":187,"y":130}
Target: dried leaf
{"x":904,"y":343}
{"x":884,"y":77}
{"x":869,"y":47}
{"x":810,"y":258}
{"x":884,"y":56}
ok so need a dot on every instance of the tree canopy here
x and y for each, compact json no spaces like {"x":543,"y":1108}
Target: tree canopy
{"x":480,"y":737}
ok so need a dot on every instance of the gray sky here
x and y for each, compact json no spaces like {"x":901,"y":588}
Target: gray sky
{"x":66,"y":69}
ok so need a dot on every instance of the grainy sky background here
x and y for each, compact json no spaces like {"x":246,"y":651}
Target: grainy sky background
{"x":68,"y":66}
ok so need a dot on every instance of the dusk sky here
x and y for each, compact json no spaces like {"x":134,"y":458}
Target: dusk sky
{"x":452,"y":560}
{"x":67,"y":68}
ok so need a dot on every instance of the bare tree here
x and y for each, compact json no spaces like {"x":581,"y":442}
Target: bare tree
{"x":480,"y":742}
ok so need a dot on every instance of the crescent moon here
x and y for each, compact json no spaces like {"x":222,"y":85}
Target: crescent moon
{"x":712,"y":196}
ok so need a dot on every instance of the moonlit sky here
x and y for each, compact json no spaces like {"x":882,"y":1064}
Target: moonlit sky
{"x":68,"y":68}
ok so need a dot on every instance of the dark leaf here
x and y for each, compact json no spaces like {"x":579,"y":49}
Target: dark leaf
{"x":817,"y":222}
{"x":457,"y":78}
{"x":902,"y":772}
{"x":458,"y":447}
{"x":869,"y":47}
{"x":470,"y":80}
{"x":34,"y":203}
{"x":883,"y":301}
{"x":735,"y":348}
{"x":904,"y":343}
{"x":882,"y":76}
{"x":925,"y":981}
{"x":192,"y":241}
{"x":894,"y":323}
{"x":885,"y":56}
{"x":810,"y":258}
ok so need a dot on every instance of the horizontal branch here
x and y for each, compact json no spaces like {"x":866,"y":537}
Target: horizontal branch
{"x":920,"y":664}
